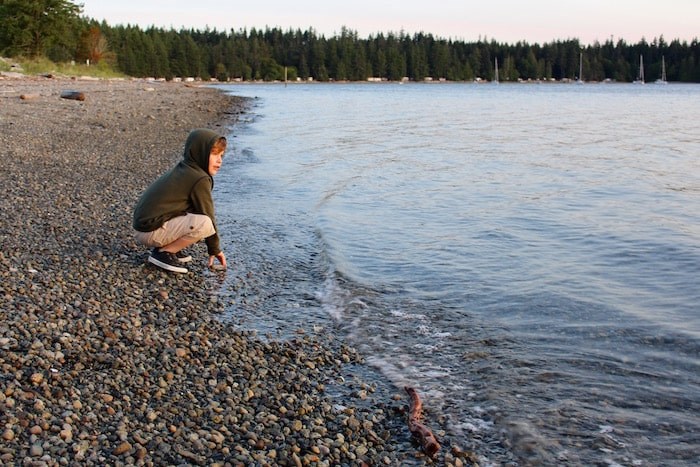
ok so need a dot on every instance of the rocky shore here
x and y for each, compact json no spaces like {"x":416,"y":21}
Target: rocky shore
{"x":106,"y":360}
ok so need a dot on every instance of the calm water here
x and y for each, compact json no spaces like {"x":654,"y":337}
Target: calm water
{"x":527,"y":256}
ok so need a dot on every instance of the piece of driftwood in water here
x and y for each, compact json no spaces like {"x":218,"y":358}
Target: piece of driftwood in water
{"x":74,"y":95}
{"x":426,"y":437}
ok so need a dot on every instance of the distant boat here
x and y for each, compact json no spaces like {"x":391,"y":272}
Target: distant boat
{"x":662,"y":80}
{"x":580,"y":69}
{"x":640,"y":78}
{"x":495,"y":76}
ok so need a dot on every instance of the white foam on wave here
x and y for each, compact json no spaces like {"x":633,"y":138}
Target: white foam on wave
{"x":395,"y":374}
{"x":474,"y":425}
{"x":333,"y":298}
{"x":408,"y":316}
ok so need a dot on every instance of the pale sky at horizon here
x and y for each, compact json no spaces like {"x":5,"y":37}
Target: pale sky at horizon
{"x":509,"y":21}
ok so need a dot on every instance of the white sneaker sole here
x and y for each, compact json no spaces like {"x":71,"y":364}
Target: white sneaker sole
{"x":184,"y":259}
{"x":166,"y":266}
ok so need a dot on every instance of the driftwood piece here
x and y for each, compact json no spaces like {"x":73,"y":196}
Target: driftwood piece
{"x":28,"y":97}
{"x":74,"y":95}
{"x":426,"y":437}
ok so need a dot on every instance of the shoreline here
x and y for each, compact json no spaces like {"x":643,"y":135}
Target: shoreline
{"x":108,"y":360}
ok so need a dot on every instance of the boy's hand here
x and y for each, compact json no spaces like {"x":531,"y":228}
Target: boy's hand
{"x":221,"y":257}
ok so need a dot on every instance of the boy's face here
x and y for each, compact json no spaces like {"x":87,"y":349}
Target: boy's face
{"x":215,"y":161}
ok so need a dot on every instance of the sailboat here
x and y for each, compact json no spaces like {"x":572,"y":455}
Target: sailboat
{"x":580,"y":69}
{"x":640,"y":78}
{"x":495,"y":76}
{"x":662,"y":80}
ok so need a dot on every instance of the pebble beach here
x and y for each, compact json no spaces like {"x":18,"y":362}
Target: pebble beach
{"x":107,"y":360}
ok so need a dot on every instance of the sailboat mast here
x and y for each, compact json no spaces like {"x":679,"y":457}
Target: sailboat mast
{"x":663,"y":68}
{"x":662,"y":80}
{"x":579,"y":80}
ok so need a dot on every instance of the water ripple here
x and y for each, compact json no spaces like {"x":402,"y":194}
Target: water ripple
{"x":527,"y":255}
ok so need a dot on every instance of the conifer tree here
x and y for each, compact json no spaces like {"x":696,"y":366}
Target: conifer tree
{"x":30,"y":26}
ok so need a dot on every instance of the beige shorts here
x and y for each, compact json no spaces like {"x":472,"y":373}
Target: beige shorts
{"x":198,"y":226}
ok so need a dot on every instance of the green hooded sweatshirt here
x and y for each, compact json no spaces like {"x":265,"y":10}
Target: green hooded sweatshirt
{"x":186,"y":188}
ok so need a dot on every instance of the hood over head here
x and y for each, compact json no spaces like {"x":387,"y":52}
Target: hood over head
{"x":198,"y":147}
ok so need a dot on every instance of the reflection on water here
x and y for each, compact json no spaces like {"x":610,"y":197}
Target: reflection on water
{"x":527,"y":256}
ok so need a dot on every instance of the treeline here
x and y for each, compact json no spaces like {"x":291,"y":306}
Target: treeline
{"x":264,"y":54}
{"x":270,"y":53}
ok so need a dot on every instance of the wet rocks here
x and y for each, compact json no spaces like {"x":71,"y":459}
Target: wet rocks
{"x":108,"y":361}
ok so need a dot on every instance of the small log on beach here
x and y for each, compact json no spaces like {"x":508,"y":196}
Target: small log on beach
{"x":426,"y":437}
{"x":28,"y":97}
{"x":74,"y":95}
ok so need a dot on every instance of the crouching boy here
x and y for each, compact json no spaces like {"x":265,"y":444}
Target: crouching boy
{"x":177,"y":210}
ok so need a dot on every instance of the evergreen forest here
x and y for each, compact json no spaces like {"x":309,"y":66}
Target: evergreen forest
{"x":56,"y":29}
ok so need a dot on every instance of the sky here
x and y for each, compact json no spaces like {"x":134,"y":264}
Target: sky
{"x":506,"y":21}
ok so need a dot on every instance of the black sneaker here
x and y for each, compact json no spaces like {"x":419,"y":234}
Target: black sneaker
{"x":166,"y":260}
{"x":183,"y":257}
